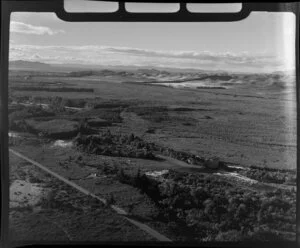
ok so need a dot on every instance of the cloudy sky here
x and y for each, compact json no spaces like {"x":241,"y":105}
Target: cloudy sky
{"x":263,"y":42}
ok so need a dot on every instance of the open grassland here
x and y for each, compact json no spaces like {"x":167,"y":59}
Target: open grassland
{"x":248,"y":126}
{"x":229,"y":155}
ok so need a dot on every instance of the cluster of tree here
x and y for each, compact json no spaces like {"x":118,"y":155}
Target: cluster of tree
{"x":152,"y":113}
{"x":111,"y":115}
{"x":17,"y":119}
{"x":106,"y":143}
{"x":22,"y":98}
{"x":111,"y":104}
{"x":69,"y":102}
{"x":215,"y":210}
{"x":271,"y":175}
{"x":182,"y":156}
{"x":59,"y":103}
{"x":80,"y":73}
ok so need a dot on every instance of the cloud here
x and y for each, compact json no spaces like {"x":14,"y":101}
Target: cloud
{"x":107,"y":55}
{"x":36,"y":17}
{"x":201,"y":56}
{"x":242,"y":58}
{"x":20,"y":27}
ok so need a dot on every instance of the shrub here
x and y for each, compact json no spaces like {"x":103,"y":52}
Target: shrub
{"x":80,"y":73}
{"x":122,"y":177}
{"x":231,"y":235}
{"x":211,"y":209}
{"x":270,"y":175}
{"x":263,"y":233}
{"x":110,"y":199}
{"x":199,"y":195}
{"x":109,"y":144}
{"x":17,"y":119}
{"x":77,"y":103}
{"x":57,"y":128}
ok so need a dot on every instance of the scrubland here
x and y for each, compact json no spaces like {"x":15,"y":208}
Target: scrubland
{"x":222,"y":158}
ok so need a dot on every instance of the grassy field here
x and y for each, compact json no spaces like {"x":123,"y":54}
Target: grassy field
{"x":121,"y":131}
{"x":251,"y":125}
{"x":60,"y":214}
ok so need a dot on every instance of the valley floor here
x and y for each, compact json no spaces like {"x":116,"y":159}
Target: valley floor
{"x":193,"y":164}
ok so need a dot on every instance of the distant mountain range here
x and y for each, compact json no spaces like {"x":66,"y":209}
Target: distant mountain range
{"x":167,"y":77}
{"x":39,"y":66}
{"x":22,"y":64}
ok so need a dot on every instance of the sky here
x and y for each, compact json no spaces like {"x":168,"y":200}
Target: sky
{"x":263,"y":42}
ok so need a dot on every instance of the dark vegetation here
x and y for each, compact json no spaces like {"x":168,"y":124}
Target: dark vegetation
{"x":80,"y":73}
{"x":95,"y":103}
{"x":17,"y":119}
{"x":56,"y":129}
{"x":111,"y":115}
{"x":104,"y":72}
{"x":106,"y":143}
{"x":207,"y":208}
{"x":43,"y":122}
{"x":55,"y":120}
{"x":269,"y":175}
{"x":182,"y":156}
{"x":59,"y":197}
{"x":53,"y":100}
{"x":208,"y":87}
{"x":109,"y":104}
{"x":97,"y":122}
{"x":218,"y":77}
{"x":110,"y":144}
{"x":191,"y":77}
{"x":50,"y":89}
{"x":184,"y":109}
{"x":59,"y":104}
{"x":159,"y":114}
{"x":67,"y":102}
{"x":151,"y":113}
